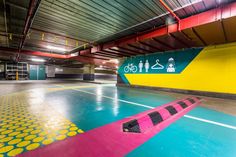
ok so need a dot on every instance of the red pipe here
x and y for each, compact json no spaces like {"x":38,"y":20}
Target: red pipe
{"x":29,"y":19}
{"x":169,"y":10}
{"x":82,"y":59}
{"x":210,"y":16}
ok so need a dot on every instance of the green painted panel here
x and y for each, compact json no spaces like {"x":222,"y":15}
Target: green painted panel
{"x":41,"y":72}
{"x":37,"y":72}
{"x":158,"y":63}
{"x":33,"y":72}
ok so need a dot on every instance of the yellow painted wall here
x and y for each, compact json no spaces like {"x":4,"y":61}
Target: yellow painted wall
{"x":213,"y":70}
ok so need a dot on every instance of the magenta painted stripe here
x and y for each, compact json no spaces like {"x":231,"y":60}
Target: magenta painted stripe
{"x":145,"y":123}
{"x":187,"y":102}
{"x":164,"y":113}
{"x":105,"y":141}
{"x":177,"y":107}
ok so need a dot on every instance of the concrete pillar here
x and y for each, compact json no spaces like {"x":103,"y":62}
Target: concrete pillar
{"x":119,"y":80}
{"x":88,"y":73}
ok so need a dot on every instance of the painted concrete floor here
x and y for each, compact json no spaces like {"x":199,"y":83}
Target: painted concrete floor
{"x":34,"y":115}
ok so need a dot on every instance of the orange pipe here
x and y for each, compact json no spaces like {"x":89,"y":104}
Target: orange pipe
{"x":169,"y":10}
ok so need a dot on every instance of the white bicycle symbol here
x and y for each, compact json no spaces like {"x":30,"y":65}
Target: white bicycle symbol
{"x":130,"y":68}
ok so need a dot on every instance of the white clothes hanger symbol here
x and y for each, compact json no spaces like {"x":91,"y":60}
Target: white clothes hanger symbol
{"x":157,"y":65}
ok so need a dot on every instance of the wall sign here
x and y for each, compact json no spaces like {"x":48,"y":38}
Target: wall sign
{"x":158,"y":63}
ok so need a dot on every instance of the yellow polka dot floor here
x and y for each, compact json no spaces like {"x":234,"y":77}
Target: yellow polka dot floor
{"x":79,"y":119}
{"x":27,"y":122}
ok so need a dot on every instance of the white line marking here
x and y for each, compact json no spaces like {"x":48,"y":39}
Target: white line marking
{"x":150,"y":107}
{"x":211,"y":122}
{"x":133,"y":103}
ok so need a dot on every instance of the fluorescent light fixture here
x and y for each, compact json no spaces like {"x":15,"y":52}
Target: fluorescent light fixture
{"x":74,"y":54}
{"x":55,"y":48}
{"x":59,"y":70}
{"x":37,"y":60}
{"x":114,"y":61}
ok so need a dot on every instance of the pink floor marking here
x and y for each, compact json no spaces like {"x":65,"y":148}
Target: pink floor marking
{"x":178,"y":107}
{"x":145,"y":123}
{"x":104,"y":141}
{"x":164,"y":113}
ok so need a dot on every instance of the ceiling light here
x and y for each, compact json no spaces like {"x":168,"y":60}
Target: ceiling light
{"x":37,"y":60}
{"x":55,"y":48}
{"x":74,"y":54}
{"x":114,"y":61}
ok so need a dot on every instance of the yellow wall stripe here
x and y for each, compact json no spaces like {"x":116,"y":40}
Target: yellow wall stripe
{"x":213,"y":70}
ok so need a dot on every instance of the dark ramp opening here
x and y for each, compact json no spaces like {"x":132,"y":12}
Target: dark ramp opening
{"x":171,"y":110}
{"x":182,"y":104}
{"x":131,"y":126}
{"x":155,"y":117}
{"x":191,"y":100}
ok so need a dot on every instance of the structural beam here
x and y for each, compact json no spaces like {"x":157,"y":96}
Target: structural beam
{"x":209,"y":16}
{"x":79,"y":58}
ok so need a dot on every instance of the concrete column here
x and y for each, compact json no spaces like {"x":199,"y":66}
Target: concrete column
{"x":119,"y":80}
{"x":88,"y":73}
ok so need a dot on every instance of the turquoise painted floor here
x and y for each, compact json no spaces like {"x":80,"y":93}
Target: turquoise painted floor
{"x":34,"y":118}
{"x":92,"y":107}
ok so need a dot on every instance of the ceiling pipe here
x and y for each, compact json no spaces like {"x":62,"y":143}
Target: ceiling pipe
{"x":82,"y":59}
{"x":34,"y":5}
{"x":5,"y":21}
{"x":172,"y":13}
{"x":169,"y":10}
{"x":207,"y":17}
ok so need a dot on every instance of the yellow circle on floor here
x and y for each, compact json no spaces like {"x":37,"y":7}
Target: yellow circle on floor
{"x":22,"y":135}
{"x":30,"y":137}
{"x":21,"y":128}
{"x":73,"y":128}
{"x":23,"y":143}
{"x":6,"y":149}
{"x":6,"y":139}
{"x":72,"y":133}
{"x":42,"y":133}
{"x":13,"y":127}
{"x":28,"y":130}
{"x":38,"y":139}
{"x":51,"y":135}
{"x":7,"y":132}
{"x":26,"y":124}
{"x":47,"y":141}
{"x":15,"y":141}
{"x":15,"y":152}
{"x":35,"y":132}
{"x":61,"y":137}
{"x":80,"y":131}
{"x":32,"y":126}
{"x":2,"y":136}
{"x":63,"y":131}
{"x":13,"y":133}
{"x":32,"y":146}
{"x":1,"y":145}
{"x":72,"y":125}
{"x":1,"y":130}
